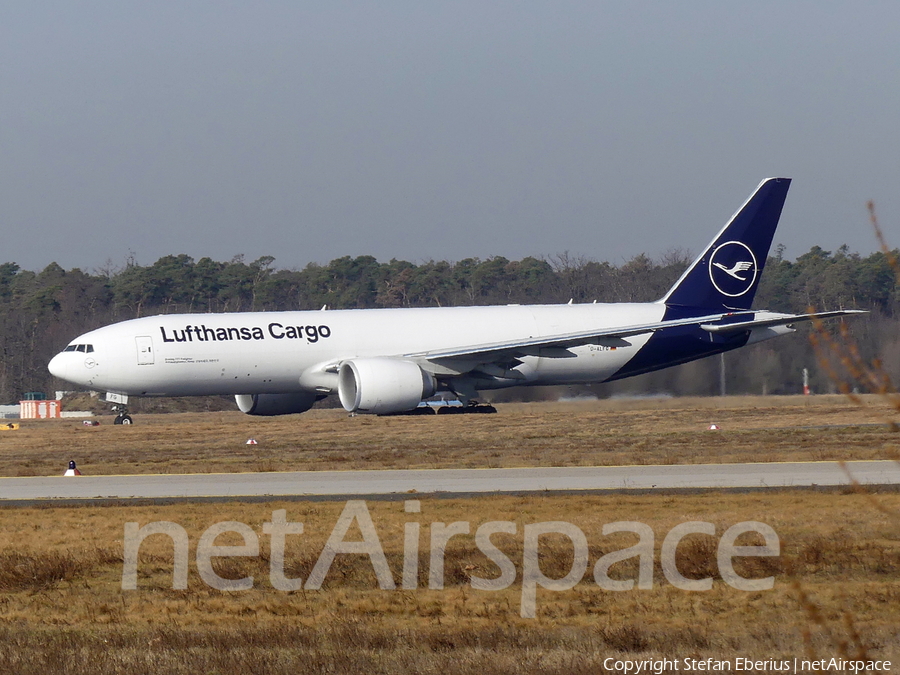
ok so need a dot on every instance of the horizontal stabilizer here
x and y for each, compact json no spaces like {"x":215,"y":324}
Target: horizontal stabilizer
{"x":772,"y":320}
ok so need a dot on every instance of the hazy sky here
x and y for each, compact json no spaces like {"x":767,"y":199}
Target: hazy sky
{"x":414,"y":130}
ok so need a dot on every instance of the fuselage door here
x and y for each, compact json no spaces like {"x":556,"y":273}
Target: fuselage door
{"x":144,"y":350}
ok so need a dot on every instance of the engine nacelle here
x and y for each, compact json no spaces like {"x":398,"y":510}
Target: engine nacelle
{"x":275,"y":404}
{"x":381,"y":385}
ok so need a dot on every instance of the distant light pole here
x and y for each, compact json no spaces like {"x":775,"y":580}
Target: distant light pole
{"x":722,"y":374}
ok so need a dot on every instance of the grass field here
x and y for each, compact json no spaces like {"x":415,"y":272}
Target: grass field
{"x":658,"y":431}
{"x":62,"y":602}
{"x":836,"y":590}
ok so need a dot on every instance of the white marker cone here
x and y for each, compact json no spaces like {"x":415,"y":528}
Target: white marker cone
{"x":713,"y":427}
{"x":252,"y":441}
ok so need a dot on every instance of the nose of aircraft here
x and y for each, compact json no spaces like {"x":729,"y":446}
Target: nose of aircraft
{"x":57,"y":366}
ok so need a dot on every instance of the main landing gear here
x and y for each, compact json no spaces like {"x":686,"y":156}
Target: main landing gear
{"x":472,"y":407}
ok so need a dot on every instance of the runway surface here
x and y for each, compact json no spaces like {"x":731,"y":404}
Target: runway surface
{"x":452,"y":481}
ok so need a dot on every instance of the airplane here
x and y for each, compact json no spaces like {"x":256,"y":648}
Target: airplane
{"x":386,"y":361}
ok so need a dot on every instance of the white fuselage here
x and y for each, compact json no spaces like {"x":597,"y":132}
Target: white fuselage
{"x":279,"y":352}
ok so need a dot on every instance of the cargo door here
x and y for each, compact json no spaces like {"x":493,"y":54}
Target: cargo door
{"x":144,"y":350}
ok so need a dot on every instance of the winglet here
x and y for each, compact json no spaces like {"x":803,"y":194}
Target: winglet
{"x":727,"y":273}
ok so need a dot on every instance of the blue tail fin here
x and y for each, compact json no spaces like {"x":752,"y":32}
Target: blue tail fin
{"x":726,"y":274}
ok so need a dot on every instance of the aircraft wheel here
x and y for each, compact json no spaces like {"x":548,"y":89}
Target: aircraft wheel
{"x":123,"y":419}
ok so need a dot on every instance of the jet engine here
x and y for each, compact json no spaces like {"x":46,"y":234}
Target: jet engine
{"x":382,"y":385}
{"x":275,"y":404}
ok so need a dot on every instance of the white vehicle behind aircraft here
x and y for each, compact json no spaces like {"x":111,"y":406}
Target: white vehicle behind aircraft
{"x":388,"y":360}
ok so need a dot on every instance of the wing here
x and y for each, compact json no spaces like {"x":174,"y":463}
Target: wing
{"x":459,"y":360}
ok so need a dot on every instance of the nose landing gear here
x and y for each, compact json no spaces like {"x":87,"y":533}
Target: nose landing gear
{"x":120,"y":407}
{"x":122,"y":416}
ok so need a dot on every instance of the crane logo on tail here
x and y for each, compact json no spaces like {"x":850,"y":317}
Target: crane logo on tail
{"x":733,"y":269}
{"x":739,"y":267}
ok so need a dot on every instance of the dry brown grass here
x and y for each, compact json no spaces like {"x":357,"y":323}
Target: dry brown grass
{"x":62,"y":608}
{"x":665,"y":431}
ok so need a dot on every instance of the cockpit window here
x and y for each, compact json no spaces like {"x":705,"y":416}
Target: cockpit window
{"x":79,"y":348}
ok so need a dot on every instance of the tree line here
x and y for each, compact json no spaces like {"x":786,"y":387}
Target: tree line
{"x":42,"y":311}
